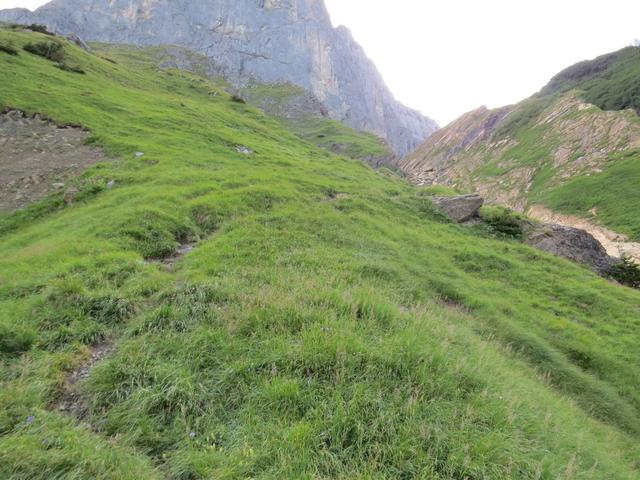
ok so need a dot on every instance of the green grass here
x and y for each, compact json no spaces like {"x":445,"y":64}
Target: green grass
{"x":610,"y":81}
{"x":437,"y":191}
{"x":614,"y":193}
{"x":284,"y":100}
{"x":340,"y":139}
{"x":309,"y":335}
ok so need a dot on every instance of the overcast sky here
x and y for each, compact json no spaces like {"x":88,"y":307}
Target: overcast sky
{"x":447,"y":57}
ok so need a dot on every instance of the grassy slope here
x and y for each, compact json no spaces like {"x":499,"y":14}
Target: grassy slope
{"x":322,"y":132}
{"x":308,"y":335}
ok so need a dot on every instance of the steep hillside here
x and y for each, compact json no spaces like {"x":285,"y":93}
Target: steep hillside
{"x":221,"y":299}
{"x":573,"y":148}
{"x":269,"y":41}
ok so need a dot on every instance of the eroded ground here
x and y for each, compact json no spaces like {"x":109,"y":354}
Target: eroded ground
{"x":37,"y":158}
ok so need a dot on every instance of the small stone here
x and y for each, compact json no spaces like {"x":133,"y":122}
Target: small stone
{"x":244,"y":150}
{"x":70,"y":195}
{"x":58,"y":185}
{"x":139,"y":154}
{"x":111,"y":184}
{"x":192,"y":434}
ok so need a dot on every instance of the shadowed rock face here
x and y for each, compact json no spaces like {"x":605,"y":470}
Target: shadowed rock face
{"x":263,"y":40}
{"x":571,"y":243}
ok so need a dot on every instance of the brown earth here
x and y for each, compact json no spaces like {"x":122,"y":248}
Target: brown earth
{"x":38,"y":158}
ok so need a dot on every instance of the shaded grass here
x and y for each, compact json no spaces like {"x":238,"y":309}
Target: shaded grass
{"x":310,"y":334}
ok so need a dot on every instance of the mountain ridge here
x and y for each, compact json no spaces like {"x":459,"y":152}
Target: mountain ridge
{"x":573,"y":147}
{"x":266,"y":40}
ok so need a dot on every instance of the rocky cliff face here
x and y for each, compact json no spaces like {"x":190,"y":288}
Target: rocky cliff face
{"x":252,"y":40}
{"x":573,"y":148}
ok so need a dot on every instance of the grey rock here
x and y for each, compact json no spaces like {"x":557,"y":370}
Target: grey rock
{"x":244,"y":150}
{"x":70,"y":195}
{"x":79,"y":42}
{"x":267,"y":41}
{"x":58,"y":185}
{"x":572,"y":243}
{"x":111,"y":184}
{"x":139,"y":154}
{"x":461,"y":208}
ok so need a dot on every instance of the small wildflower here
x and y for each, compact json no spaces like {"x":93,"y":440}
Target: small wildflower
{"x":30,"y":419}
{"x":192,"y":434}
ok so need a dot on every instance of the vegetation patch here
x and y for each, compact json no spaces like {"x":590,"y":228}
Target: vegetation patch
{"x":53,"y":51}
{"x":616,"y":207}
{"x":627,"y":272}
{"x":608,"y":81}
{"x":8,"y":49}
{"x":438,"y":191}
{"x":39,"y":29}
{"x":503,"y":222}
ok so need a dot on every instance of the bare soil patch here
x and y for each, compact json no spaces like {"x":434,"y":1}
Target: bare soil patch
{"x":73,"y":403}
{"x":38,"y":157}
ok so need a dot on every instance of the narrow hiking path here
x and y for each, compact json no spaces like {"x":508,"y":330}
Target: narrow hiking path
{"x":73,"y":401}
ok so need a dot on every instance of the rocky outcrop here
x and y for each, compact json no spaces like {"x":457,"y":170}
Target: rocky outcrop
{"x":460,"y":208}
{"x":266,"y":41}
{"x":572,"y":243}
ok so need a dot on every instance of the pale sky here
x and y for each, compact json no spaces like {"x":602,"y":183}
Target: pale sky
{"x":447,"y":57}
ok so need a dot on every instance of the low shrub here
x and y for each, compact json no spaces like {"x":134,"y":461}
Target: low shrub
{"x":70,"y":68}
{"x":503,"y":222}
{"x":50,"y":50}
{"x":34,"y":27}
{"x":238,"y":99}
{"x":627,"y":272}
{"x":8,"y":49}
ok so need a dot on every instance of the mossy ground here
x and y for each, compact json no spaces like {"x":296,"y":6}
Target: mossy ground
{"x":309,"y":334}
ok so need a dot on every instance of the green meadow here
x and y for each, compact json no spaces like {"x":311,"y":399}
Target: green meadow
{"x":328,"y":324}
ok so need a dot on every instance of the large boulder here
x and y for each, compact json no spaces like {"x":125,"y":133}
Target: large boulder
{"x":572,"y":243}
{"x":461,"y":208}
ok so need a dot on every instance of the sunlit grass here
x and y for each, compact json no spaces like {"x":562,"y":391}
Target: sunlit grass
{"x":328,"y":324}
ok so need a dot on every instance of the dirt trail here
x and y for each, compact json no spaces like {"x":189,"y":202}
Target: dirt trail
{"x":73,"y":402}
{"x":615,"y":244}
